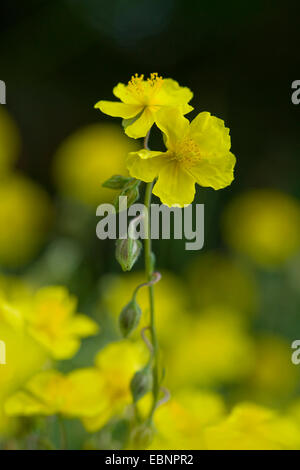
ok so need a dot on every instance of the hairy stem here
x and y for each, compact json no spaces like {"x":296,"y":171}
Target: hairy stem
{"x":149,"y":274}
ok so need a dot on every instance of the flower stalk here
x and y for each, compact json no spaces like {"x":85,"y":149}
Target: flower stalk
{"x":149,"y":270}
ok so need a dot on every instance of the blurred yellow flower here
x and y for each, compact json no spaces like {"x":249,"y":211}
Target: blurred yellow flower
{"x":25,"y":214}
{"x":252,"y":427}
{"x":197,"y":152}
{"x":264,"y":224}
{"x":13,"y":293}
{"x":24,"y":357}
{"x":116,"y":364}
{"x":214,"y":348}
{"x":87,"y":159}
{"x":94,"y":394}
{"x":142,"y":99}
{"x":52,"y":320}
{"x":171,"y":299}
{"x":217,"y":279}
{"x":180,"y":422}
{"x":9,"y":141}
{"x":50,"y":392}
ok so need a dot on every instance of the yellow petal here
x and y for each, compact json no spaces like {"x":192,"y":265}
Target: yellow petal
{"x":39,"y":397}
{"x":173,"y":124}
{"x":84,"y":393}
{"x":64,"y":348}
{"x":116,"y":109}
{"x":140,"y":126}
{"x":23,"y":404}
{"x":186,"y":109}
{"x":215,"y":172}
{"x":44,"y":382}
{"x":122,"y":92}
{"x":172,"y":94}
{"x":145,"y":165}
{"x":144,"y":154}
{"x":83,"y":326}
{"x":174,"y":186}
{"x":210,"y":133}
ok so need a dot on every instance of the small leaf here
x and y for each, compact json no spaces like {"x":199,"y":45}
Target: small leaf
{"x":117,"y":182}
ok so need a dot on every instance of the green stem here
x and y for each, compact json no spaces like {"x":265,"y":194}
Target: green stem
{"x":149,"y":274}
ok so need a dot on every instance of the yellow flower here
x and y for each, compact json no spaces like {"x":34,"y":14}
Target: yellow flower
{"x":25,"y":213}
{"x":214,"y":348}
{"x":13,"y":292}
{"x":142,"y":99}
{"x":52,"y":320}
{"x":50,"y":392}
{"x":197,"y":152}
{"x":252,"y":427}
{"x":116,"y":364}
{"x":24,"y":358}
{"x":268,"y":228}
{"x":180,"y":422}
{"x":87,"y":159}
{"x":93,"y":394}
{"x":9,"y":141}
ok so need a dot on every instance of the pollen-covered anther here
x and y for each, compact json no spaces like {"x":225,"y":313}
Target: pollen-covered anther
{"x":136,"y":83}
{"x":188,"y":152}
{"x":155,"y":80}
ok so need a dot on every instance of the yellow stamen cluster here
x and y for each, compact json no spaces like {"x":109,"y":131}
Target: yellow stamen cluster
{"x":155,"y":79}
{"x":137,"y":82}
{"x":187,"y":152}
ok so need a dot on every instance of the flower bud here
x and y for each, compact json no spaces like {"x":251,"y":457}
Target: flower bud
{"x":141,"y":383}
{"x":142,"y":436}
{"x":127,"y":252}
{"x":131,"y":192}
{"x":129,"y":318}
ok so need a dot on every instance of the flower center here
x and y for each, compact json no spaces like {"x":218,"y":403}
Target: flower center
{"x":145,"y":88}
{"x":187,"y":152}
{"x":136,"y":83}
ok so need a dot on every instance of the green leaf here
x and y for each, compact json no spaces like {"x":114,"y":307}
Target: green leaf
{"x":117,"y":182}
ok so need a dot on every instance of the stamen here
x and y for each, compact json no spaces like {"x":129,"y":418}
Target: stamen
{"x":155,"y":79}
{"x":188,"y":152}
{"x":137,"y":82}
